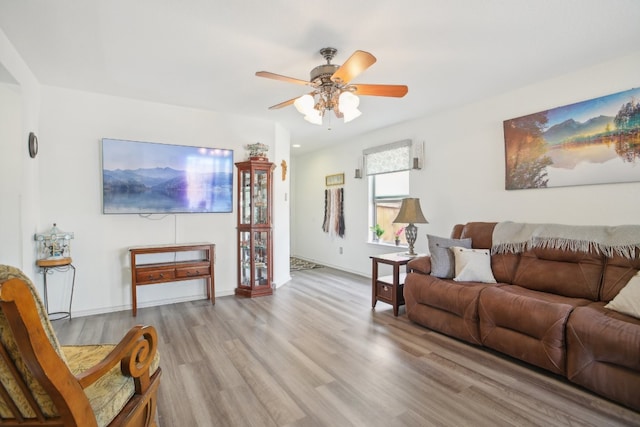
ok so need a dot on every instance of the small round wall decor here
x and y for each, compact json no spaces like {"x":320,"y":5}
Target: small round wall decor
{"x":33,"y":145}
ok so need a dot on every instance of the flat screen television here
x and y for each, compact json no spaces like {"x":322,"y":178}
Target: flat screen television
{"x":152,"y":178}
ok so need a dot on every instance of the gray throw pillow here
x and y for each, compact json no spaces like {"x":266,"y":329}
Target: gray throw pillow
{"x":442,"y":260}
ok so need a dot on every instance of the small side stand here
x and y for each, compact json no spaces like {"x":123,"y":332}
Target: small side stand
{"x":48,"y":266}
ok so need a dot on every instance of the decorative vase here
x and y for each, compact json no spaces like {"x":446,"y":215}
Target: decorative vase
{"x":257,"y":151}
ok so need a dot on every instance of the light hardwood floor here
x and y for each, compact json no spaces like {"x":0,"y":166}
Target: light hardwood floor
{"x":315,"y":354}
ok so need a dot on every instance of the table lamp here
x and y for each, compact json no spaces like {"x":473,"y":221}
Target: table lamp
{"x":410,"y":213}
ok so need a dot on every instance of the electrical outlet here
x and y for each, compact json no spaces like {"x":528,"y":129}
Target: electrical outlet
{"x":340,"y":250}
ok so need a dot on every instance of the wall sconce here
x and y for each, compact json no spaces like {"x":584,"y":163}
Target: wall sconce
{"x":417,"y":157}
{"x":358,"y":173}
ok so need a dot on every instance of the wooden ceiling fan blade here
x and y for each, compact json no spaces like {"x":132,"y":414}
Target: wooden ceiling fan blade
{"x":396,"y":91}
{"x":356,"y":64}
{"x":283,"y":104}
{"x":274,"y":76}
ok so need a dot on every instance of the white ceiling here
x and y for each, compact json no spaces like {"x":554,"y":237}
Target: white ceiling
{"x":204,"y":53}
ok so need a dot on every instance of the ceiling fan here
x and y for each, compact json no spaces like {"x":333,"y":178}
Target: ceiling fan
{"x":332,"y":89}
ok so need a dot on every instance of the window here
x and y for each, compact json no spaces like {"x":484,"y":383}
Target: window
{"x":388,"y":169}
{"x":387,"y":192}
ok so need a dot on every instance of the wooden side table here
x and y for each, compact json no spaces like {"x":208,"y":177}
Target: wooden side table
{"x":388,"y":288}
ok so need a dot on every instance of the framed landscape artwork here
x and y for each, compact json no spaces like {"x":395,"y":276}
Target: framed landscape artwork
{"x":590,"y":142}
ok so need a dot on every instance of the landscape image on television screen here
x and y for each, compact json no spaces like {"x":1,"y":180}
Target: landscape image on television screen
{"x":148,"y":178}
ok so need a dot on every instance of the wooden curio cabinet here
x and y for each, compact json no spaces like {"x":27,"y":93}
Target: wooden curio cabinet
{"x":255,"y":247}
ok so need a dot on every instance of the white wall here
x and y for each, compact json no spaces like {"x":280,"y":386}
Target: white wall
{"x":10,"y":174}
{"x":20,"y":114}
{"x":71,"y":128}
{"x":463,"y":176}
{"x":281,"y":206}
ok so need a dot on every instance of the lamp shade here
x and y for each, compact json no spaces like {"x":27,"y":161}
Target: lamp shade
{"x":314,"y":117}
{"x":348,"y":104}
{"x":410,"y":212}
{"x":304,"y":104}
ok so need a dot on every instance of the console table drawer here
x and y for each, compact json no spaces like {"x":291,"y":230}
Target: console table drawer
{"x":193,"y":271}
{"x":155,"y":275}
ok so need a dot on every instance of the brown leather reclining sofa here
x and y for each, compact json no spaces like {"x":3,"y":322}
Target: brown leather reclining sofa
{"x":547,"y":309}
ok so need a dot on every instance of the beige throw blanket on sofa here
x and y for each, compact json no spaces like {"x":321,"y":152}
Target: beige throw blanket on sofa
{"x":513,"y":237}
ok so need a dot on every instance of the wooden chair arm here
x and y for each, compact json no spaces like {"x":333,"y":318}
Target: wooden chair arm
{"x":134,"y":352}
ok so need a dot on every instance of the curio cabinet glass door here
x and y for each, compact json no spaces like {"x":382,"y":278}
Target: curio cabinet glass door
{"x":255,"y":247}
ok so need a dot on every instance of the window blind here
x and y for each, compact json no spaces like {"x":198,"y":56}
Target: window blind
{"x":394,"y":157}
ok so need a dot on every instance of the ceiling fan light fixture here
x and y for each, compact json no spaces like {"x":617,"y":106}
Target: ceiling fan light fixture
{"x":314,"y":117}
{"x":304,"y":104}
{"x":348,"y":105}
{"x":348,"y":116}
{"x":332,"y":89}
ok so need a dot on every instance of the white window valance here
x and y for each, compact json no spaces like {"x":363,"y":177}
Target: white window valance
{"x":394,"y":157}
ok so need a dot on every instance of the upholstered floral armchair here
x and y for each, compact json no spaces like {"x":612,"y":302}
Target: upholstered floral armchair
{"x":44,"y":383}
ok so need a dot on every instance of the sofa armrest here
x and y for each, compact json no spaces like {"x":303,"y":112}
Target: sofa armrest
{"x":421,"y":264}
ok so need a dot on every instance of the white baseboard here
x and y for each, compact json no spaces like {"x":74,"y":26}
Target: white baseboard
{"x":146,"y":304}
